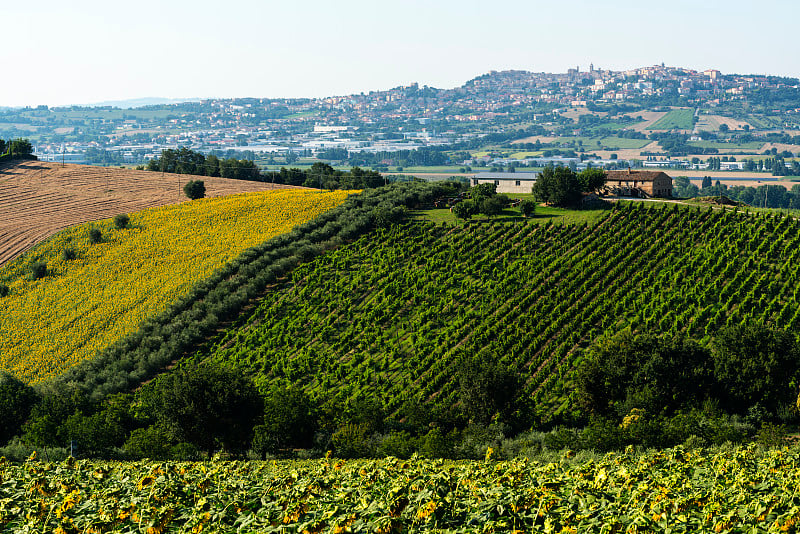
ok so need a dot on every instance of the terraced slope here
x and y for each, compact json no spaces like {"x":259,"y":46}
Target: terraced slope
{"x":37,"y":199}
{"x":394,"y":314}
{"x":100,"y":292}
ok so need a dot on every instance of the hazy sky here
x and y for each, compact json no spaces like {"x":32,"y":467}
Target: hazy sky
{"x":84,"y":51}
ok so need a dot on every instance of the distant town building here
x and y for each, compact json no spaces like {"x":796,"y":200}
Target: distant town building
{"x":639,"y":183}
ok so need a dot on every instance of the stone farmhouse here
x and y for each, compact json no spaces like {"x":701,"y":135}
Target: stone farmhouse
{"x":630,"y":183}
{"x":625,"y":183}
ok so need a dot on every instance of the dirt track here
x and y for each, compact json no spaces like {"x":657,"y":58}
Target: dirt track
{"x":37,"y":199}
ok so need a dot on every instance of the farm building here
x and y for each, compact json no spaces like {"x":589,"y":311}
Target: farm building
{"x":507,"y":182}
{"x":639,"y":183}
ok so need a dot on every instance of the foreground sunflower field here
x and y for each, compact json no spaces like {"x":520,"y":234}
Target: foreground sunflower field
{"x":742,"y":489}
{"x":94,"y":293}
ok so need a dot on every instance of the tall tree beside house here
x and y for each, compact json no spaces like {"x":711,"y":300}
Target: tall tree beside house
{"x":592,"y":179}
{"x":558,"y":186}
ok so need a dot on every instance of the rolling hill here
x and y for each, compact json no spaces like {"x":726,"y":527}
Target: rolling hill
{"x":395,"y":315}
{"x":89,"y":294}
{"x":41,"y":198}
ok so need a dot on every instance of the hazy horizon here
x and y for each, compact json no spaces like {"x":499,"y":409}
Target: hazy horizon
{"x":90,"y":52}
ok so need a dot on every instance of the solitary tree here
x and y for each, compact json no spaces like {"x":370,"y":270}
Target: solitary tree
{"x":527,"y":207}
{"x":465,"y":209}
{"x":195,"y":189}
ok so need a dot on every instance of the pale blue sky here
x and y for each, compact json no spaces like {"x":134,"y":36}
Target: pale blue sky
{"x":83,"y":51}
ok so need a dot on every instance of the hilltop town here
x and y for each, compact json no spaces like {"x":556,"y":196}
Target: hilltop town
{"x":611,"y":114}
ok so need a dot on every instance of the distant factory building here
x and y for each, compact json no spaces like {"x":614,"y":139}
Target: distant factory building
{"x":630,"y":183}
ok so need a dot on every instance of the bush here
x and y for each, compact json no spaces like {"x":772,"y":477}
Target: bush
{"x":195,"y":189}
{"x":38,"y":270}
{"x":527,"y":207}
{"x":69,"y":254}
{"x":121,"y":221}
{"x":4,"y":290}
{"x":95,"y":236}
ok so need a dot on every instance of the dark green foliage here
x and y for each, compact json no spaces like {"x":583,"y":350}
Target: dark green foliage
{"x":195,"y":189}
{"x":209,"y":406}
{"x":38,"y":270}
{"x":465,"y":209}
{"x":591,"y":179}
{"x":487,"y":389}
{"x":491,"y":206}
{"x":755,"y":364}
{"x":157,"y":443}
{"x":481,"y":192}
{"x":4,"y":290}
{"x":20,"y":147}
{"x":527,"y":207}
{"x":44,"y":427}
{"x":95,"y":236}
{"x":656,"y":374}
{"x":558,"y":186}
{"x":69,"y":254}
{"x":16,"y":401}
{"x":97,"y":433}
{"x":290,"y":421}
{"x":121,"y":220}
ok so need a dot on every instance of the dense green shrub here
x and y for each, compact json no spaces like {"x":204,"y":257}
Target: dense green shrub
{"x":195,"y":189}
{"x":121,"y":220}
{"x":38,"y":270}
{"x":95,"y":236}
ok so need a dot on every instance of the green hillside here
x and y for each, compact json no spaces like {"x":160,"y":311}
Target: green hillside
{"x":395,"y":314}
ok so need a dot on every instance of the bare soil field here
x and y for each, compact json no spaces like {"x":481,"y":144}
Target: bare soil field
{"x":712,"y":123}
{"x":780,"y":147}
{"x":746,"y":183}
{"x":37,"y":199}
{"x":650,"y":117}
{"x":574,"y":113}
{"x":722,"y":175}
{"x":630,"y":153}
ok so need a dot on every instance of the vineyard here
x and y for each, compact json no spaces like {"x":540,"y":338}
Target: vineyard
{"x":394,"y":314}
{"x":89,"y":295}
{"x":675,"y":490}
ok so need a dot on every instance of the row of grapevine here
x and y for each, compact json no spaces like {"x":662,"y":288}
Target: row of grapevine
{"x":393,"y":314}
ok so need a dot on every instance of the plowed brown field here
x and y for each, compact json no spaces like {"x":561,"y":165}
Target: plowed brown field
{"x":37,"y":199}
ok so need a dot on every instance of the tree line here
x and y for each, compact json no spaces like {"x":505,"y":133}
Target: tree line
{"x":16,"y":149}
{"x":763,"y":196}
{"x":320,"y":175}
{"x":634,"y":388}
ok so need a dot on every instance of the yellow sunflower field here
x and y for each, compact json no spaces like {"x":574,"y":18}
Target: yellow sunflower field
{"x":72,"y":296}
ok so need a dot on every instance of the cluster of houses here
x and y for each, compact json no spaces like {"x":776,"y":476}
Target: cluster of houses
{"x":624,"y":183}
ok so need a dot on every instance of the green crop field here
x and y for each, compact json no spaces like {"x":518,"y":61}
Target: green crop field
{"x":392,"y":315}
{"x":680,"y":119}
{"x":676,"y":490}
